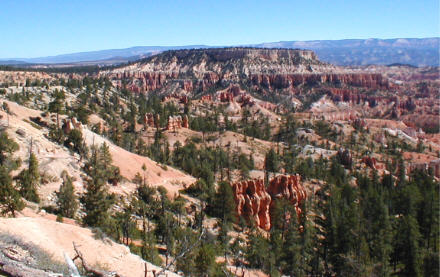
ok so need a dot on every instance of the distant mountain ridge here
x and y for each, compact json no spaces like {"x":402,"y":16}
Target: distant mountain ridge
{"x":413,"y":51}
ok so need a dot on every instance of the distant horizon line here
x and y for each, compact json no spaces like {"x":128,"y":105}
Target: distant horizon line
{"x":207,"y":45}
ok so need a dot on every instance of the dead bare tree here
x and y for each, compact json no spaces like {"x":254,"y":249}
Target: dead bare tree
{"x":181,"y":254}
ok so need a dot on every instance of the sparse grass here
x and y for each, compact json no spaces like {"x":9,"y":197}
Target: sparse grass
{"x":36,"y":126}
{"x":43,"y":260}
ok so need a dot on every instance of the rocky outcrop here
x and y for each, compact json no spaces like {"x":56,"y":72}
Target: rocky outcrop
{"x":287,"y":187}
{"x":177,"y":122}
{"x":183,"y":99}
{"x":206,"y":98}
{"x":185,"y":122}
{"x":209,"y":80}
{"x":433,"y":166}
{"x":370,"y":162}
{"x":359,"y":123}
{"x":226,"y":97}
{"x":345,"y":157}
{"x":255,"y":202}
{"x":151,"y":120}
{"x":71,"y":124}
{"x":284,"y":81}
{"x":270,"y":69}
{"x":238,"y":53}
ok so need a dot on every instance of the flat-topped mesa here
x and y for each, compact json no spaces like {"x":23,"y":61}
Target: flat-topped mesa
{"x":235,"y":53}
{"x":256,"y":203}
{"x":268,"y":68}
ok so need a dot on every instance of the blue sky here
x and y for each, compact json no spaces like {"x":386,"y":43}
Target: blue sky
{"x":42,"y":27}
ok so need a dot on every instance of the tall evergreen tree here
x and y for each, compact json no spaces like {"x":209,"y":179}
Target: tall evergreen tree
{"x":66,"y":199}
{"x":292,"y":250}
{"x":10,"y":200}
{"x":205,"y":260}
{"x":271,"y":163}
{"x":7,"y":148}
{"x":408,"y":237}
{"x":96,"y":199}
{"x":57,"y":104}
{"x":223,"y":205}
{"x":29,"y":180}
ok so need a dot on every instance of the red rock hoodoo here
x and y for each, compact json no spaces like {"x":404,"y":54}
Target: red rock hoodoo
{"x":177,"y":122}
{"x":254,"y":202}
{"x":151,"y":120}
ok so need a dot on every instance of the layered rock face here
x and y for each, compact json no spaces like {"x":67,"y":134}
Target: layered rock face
{"x":283,"y":81}
{"x":287,"y":187}
{"x":235,"y":53}
{"x":255,"y":202}
{"x":201,"y":69}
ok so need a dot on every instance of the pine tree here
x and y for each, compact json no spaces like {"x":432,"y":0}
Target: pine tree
{"x":105,"y":160}
{"x":57,"y":104}
{"x":257,"y":250}
{"x":292,"y":250}
{"x":29,"y":180}
{"x":271,"y":163}
{"x":409,"y":236}
{"x":66,"y":199}
{"x":10,"y":200}
{"x":75,"y":141}
{"x":401,"y":174}
{"x":186,"y":240}
{"x":96,"y":200}
{"x":309,"y":243}
{"x":144,"y":206}
{"x":223,"y":238}
{"x":223,"y":205}
{"x":149,"y":250}
{"x":205,"y":260}
{"x":125,"y":223}
{"x":7,"y":148}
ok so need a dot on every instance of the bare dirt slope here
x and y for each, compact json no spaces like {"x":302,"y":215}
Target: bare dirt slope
{"x":53,"y":158}
{"x":228,"y":140}
{"x":57,"y":238}
{"x":130,"y":164}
